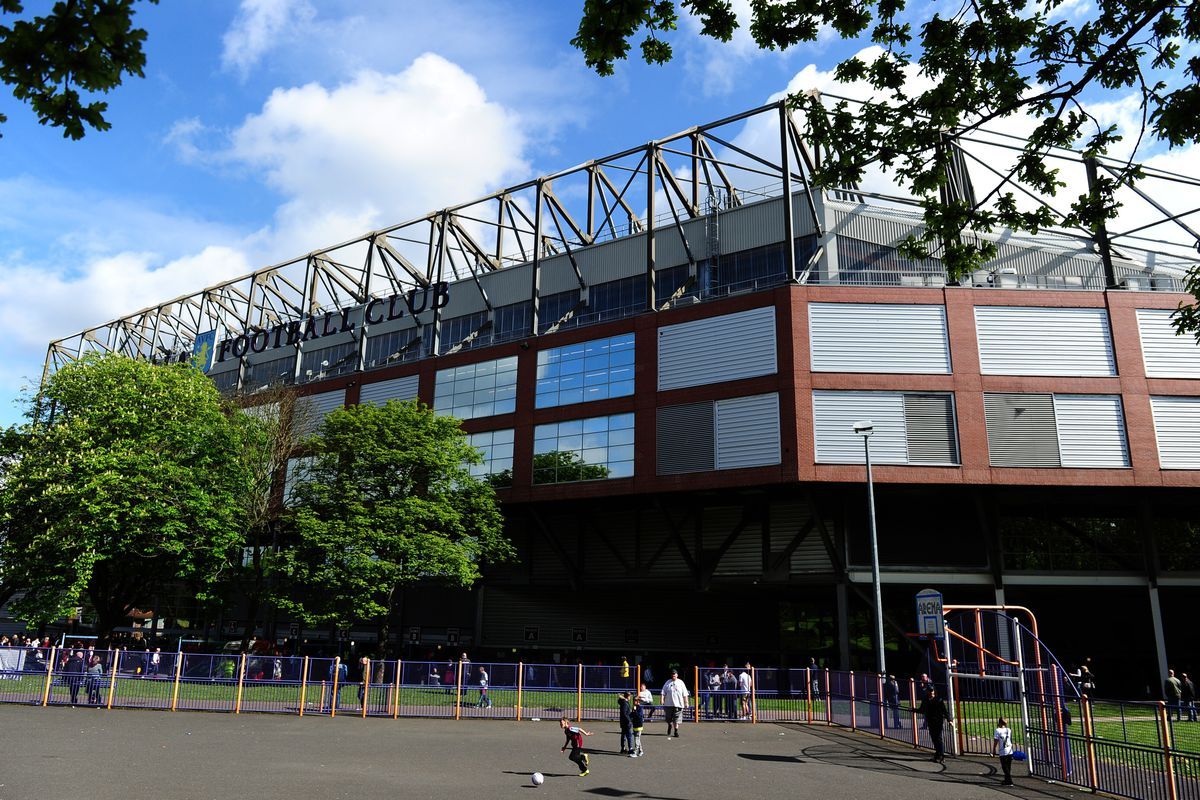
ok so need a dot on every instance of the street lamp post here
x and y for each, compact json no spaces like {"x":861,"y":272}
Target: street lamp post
{"x":865,"y":428}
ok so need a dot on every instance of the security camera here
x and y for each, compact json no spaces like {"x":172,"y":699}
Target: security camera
{"x":864,"y":427}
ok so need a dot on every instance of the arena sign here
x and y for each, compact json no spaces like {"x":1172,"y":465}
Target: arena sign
{"x":380,"y":309}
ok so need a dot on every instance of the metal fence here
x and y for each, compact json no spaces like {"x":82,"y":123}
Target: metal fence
{"x":1135,"y":750}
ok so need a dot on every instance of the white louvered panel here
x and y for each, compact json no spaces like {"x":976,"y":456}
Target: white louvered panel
{"x":1044,"y":341}
{"x":1091,"y":431}
{"x":1165,"y":354}
{"x":1021,"y":430}
{"x":865,"y":337}
{"x":717,"y":349}
{"x":834,"y":415}
{"x":380,"y":392}
{"x":311,"y":410}
{"x":1177,"y":428}
{"x":747,"y":431}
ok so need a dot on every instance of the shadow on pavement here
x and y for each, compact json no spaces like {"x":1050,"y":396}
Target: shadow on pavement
{"x":855,"y":751}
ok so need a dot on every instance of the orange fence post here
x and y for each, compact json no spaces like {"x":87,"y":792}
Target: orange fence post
{"x":333,"y":694}
{"x":49,"y":677}
{"x":303,"y":684}
{"x":882,"y":708}
{"x":112,"y":684}
{"x":638,"y":688}
{"x":520,"y":686}
{"x":828,"y":701}
{"x":912,"y":703}
{"x":237,"y":706}
{"x":458,"y":691}
{"x":697,"y":684}
{"x":1164,"y":737}
{"x":178,"y":675}
{"x":321,"y":702}
{"x":808,"y":692}
{"x":579,"y":695}
{"x":753,"y":695}
{"x":396,"y":689}
{"x":853,"y":709}
{"x":366,"y":685}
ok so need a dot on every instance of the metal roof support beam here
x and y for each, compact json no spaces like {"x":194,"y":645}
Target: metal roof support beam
{"x":535,"y":280}
{"x":785,"y":172}
{"x":651,"y":161}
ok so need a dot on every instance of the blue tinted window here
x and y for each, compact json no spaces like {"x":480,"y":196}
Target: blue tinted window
{"x":583,"y":449}
{"x":577,"y":373}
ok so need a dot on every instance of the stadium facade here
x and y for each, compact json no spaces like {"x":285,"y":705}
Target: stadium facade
{"x":663,"y":368}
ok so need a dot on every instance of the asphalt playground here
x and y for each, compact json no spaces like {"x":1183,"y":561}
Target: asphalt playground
{"x":94,"y":754}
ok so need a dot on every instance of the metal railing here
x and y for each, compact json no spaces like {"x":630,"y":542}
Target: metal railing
{"x":1126,"y":749}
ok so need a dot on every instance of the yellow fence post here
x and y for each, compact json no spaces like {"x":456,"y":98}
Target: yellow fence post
{"x":303,"y":685}
{"x":178,"y":676}
{"x":697,"y":684}
{"x":49,"y":677}
{"x":579,"y":694}
{"x":237,"y":706}
{"x":638,"y":688}
{"x":112,"y":683}
{"x":396,"y":689}
{"x":458,"y":691}
{"x":520,"y":686}
{"x":321,"y":702}
{"x":753,"y":695}
{"x":333,"y":695}
{"x":366,"y":686}
{"x":1164,"y":737}
{"x":853,"y":709}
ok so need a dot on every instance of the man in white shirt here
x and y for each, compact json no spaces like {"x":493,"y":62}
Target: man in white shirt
{"x":674,"y":701}
{"x":745,"y":682}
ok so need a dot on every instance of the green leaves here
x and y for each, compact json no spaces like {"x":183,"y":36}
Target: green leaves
{"x":389,"y":501}
{"x":972,"y":64}
{"x":128,"y":477}
{"x":87,"y":45}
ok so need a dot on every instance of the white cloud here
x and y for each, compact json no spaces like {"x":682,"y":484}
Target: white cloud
{"x":377,"y":149}
{"x":257,"y":28}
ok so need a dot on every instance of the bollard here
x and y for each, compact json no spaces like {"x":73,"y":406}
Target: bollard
{"x":366,"y":685}
{"x":853,"y":709}
{"x":396,"y":689}
{"x":49,"y":677}
{"x":237,"y":706}
{"x":333,"y":695}
{"x":112,"y":684}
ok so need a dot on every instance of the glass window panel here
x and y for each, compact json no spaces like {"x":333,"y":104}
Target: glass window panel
{"x":567,"y":396}
{"x":595,"y":424}
{"x":595,"y":393}
{"x":620,"y":469}
{"x":595,"y":378}
{"x":599,"y":439}
{"x":505,"y":406}
{"x":595,"y":362}
{"x":587,"y":449}
{"x":503,"y":436}
{"x":595,"y":455}
{"x":620,"y":436}
{"x":622,"y":452}
{"x":571,"y":427}
{"x":573,"y":442}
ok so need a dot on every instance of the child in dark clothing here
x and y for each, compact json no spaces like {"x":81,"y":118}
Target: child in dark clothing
{"x":636,"y":723}
{"x":626,"y":728}
{"x":575,"y":736}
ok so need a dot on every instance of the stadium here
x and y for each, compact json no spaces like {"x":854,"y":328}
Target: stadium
{"x":662,"y":355}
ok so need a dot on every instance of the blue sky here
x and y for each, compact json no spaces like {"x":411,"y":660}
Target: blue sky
{"x":267,"y":128}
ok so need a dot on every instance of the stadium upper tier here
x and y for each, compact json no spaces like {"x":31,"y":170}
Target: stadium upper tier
{"x":671,"y":222}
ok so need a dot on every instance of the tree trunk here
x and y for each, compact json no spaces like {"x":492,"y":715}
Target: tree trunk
{"x":385,"y":626}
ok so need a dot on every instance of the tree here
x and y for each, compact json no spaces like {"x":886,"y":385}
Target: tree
{"x":87,"y":45}
{"x":273,"y":430}
{"x":388,"y":501}
{"x":985,"y":61}
{"x":128,"y":477}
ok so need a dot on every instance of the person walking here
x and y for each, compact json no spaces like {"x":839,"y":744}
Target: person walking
{"x":891,"y":696}
{"x":1187,"y":694}
{"x":484,"y":700}
{"x":1172,"y":693}
{"x":1002,"y":746}
{"x":95,"y":676}
{"x":674,"y":701}
{"x":933,"y":709}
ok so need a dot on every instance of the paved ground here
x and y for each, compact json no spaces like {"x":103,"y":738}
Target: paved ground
{"x":92,"y":754}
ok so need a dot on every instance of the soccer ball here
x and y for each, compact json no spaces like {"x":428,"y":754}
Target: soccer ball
{"x":538,"y":779}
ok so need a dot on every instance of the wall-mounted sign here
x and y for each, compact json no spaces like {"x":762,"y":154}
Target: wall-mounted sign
{"x":289,"y":334}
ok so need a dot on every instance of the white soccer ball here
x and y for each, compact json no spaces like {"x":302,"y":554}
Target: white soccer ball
{"x":538,"y":779}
